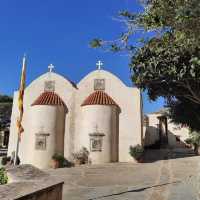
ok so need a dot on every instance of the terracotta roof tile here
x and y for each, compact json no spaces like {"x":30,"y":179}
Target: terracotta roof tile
{"x":49,"y":98}
{"x":99,"y":98}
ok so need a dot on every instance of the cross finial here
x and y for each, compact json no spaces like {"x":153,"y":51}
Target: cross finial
{"x":24,"y":57}
{"x":99,"y":64}
{"x":51,"y":67}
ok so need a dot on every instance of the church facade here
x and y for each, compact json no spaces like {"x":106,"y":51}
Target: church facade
{"x":99,"y":113}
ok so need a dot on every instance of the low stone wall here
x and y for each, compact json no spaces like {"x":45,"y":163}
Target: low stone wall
{"x":50,"y":193}
{"x":29,"y":183}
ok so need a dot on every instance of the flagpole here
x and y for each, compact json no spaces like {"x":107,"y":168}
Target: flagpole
{"x":20,"y":106}
{"x":17,"y":149}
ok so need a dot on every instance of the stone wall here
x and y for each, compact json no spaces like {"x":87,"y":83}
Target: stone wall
{"x":51,"y":193}
{"x":29,"y":183}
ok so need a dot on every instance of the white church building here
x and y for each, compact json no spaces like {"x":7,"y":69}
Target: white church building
{"x":99,"y":113}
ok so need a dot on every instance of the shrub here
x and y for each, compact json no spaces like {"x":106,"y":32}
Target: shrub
{"x":189,"y":141}
{"x":62,"y":161}
{"x":67,"y":163}
{"x":4,"y":160}
{"x":3,"y":176}
{"x":81,"y":156}
{"x":136,"y":151}
{"x":194,"y":140}
{"x":60,"y":158}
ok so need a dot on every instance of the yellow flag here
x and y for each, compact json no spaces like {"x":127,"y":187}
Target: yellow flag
{"x":21,"y":98}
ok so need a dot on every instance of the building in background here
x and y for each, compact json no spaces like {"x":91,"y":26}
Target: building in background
{"x":161,"y":132}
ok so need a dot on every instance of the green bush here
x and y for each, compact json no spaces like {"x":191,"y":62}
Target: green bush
{"x":3,"y":176}
{"x":189,"y":141}
{"x":4,"y":160}
{"x":81,"y":156}
{"x":63,"y":162}
{"x":136,"y":151}
{"x":194,"y":140}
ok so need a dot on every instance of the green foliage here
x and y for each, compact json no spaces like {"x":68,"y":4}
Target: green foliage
{"x":185,"y":112}
{"x":81,"y":156}
{"x":3,"y":176}
{"x":4,"y":160}
{"x":136,"y":151}
{"x":188,"y":141}
{"x":167,"y":62}
{"x":95,"y":43}
{"x":167,"y":70}
{"x":194,"y":138}
{"x":63,"y":162}
{"x":5,"y":114}
{"x":5,"y":99}
{"x":5,"y":111}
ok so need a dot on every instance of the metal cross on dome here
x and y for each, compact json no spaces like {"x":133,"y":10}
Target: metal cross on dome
{"x":51,"y":67}
{"x":99,"y":64}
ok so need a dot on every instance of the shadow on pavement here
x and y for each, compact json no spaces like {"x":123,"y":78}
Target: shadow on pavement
{"x":153,"y":155}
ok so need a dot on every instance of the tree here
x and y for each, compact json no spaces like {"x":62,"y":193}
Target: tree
{"x":194,"y":139}
{"x":185,"y":112}
{"x":5,"y":99}
{"x":5,"y":111}
{"x":166,"y":64}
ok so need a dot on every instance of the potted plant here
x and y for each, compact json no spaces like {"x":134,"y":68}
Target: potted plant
{"x":136,"y":152}
{"x":57,"y":160}
{"x":81,"y":157}
{"x":4,"y":160}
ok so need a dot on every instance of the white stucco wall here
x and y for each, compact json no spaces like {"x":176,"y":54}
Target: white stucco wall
{"x":128,"y":98}
{"x":63,"y":88}
{"x":173,"y":131}
{"x":104,"y":119}
{"x":49,"y":120}
{"x":151,"y":133}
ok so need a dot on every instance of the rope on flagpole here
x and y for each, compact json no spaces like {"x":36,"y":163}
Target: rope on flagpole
{"x":21,"y":109}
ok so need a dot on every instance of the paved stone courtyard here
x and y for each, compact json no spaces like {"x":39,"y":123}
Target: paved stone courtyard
{"x":173,"y":177}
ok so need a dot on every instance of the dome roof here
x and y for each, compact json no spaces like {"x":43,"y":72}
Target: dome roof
{"x":99,"y":98}
{"x":49,"y":98}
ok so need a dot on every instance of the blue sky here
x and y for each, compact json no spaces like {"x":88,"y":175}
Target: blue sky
{"x":58,"y":32}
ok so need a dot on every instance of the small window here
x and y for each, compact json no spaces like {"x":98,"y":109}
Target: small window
{"x":49,"y":86}
{"x":95,"y":144}
{"x":41,"y":141}
{"x":96,"y":141}
{"x":99,"y":84}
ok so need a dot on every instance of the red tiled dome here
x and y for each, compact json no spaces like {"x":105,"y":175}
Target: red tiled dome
{"x":49,"y":98}
{"x":99,"y":98}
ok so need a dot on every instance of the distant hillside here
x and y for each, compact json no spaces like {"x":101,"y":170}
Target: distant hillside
{"x":5,"y":111}
{"x":5,"y":99}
